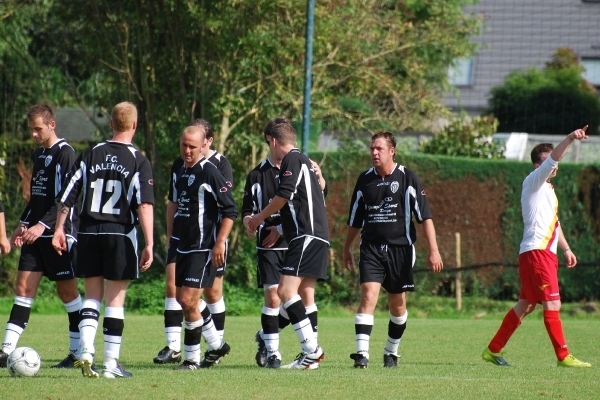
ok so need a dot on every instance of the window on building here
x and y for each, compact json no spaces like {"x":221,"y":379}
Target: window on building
{"x":461,"y":73}
{"x":592,"y":70}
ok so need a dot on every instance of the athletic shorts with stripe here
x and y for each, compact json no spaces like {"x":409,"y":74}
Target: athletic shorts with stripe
{"x":538,"y":270}
{"x":195,"y":269}
{"x":392,"y":266}
{"x":268,"y":270}
{"x":306,"y":257}
{"x":110,"y":255}
{"x":40,"y":256}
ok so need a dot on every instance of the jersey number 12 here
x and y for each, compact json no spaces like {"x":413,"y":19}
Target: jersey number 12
{"x":112,"y":186}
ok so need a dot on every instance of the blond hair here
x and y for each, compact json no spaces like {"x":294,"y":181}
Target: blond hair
{"x":123,"y":116}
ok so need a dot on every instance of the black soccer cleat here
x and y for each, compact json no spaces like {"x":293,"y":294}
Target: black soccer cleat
{"x":360,"y":361}
{"x":3,"y":359}
{"x":390,"y":361}
{"x":167,"y":356}
{"x":212,"y":356}
{"x":273,"y":362}
{"x":187,"y":366}
{"x":70,"y":361}
{"x":261,"y":353}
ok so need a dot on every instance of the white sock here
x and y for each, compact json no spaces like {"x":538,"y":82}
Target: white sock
{"x":271,"y":339}
{"x":209,"y":332}
{"x":74,"y":337}
{"x":88,"y":327}
{"x":112,"y":343}
{"x":192,"y":352}
{"x":362,"y":340}
{"x":218,"y":308}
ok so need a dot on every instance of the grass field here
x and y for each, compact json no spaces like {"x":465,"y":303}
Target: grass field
{"x":440,"y":360}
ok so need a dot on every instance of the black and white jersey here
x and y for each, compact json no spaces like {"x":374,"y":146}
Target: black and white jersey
{"x":51,"y":168}
{"x":176,"y":169}
{"x":383,"y":207}
{"x":223,"y":165}
{"x":304,"y":212}
{"x":261,"y":187}
{"x":203,"y":198}
{"x":115,"y":179}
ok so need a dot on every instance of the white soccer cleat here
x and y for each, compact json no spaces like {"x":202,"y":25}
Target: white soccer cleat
{"x":307,"y":360}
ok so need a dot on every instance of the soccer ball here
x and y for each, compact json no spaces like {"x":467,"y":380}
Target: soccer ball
{"x":24,"y":361}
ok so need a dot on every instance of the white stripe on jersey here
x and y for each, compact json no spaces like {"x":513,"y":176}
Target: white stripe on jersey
{"x":57,"y":180}
{"x":257,"y":193}
{"x":305,"y":174}
{"x":77,"y":176}
{"x":202,"y":190}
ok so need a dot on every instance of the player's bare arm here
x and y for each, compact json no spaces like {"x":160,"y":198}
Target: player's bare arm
{"x":245,"y":221}
{"x":59,"y":241}
{"x":317,"y":169}
{"x":171,"y":210}
{"x":218,"y":250}
{"x":564,"y":246}
{"x":272,"y":238}
{"x":348,"y":258}
{"x":17,"y":236}
{"x":31,"y":234}
{"x":275,"y":205}
{"x":434,"y":260}
{"x":561,"y":149}
{"x":4,"y":243}
{"x":146,"y":216}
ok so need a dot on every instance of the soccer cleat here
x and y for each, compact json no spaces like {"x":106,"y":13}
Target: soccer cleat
{"x":116,"y":372}
{"x":360,"y":361}
{"x":494,"y":358}
{"x":87,"y":365}
{"x":307,"y":360}
{"x":261,"y":353}
{"x":273,"y":362}
{"x":70,"y":361}
{"x":571,"y":362}
{"x":187,"y":366}
{"x":167,"y":355}
{"x":390,"y":361}
{"x":212,"y":356}
{"x":3,"y":359}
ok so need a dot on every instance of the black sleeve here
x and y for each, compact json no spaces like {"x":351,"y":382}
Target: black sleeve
{"x":291,"y":167}
{"x":175,"y":170}
{"x":249,"y":201}
{"x":223,"y":194}
{"x":356,"y":214}
{"x":70,"y":192}
{"x":418,"y":199}
{"x":145,"y":193}
{"x":225,"y":168}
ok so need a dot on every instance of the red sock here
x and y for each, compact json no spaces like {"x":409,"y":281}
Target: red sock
{"x":510,"y":323}
{"x":555,"y":331}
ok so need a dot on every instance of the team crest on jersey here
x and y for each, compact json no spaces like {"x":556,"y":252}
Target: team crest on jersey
{"x":48,"y":160}
{"x":394,"y":186}
{"x":191,"y":179}
{"x":287,"y":173}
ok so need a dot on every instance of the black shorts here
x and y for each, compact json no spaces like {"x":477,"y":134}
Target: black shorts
{"x":110,"y":255}
{"x":172,"y":251}
{"x":392,"y":266}
{"x":41,"y":257}
{"x":195,"y":270}
{"x":306,"y":257}
{"x":268,"y":270}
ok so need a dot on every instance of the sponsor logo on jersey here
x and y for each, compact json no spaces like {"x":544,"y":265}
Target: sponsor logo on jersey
{"x":48,"y":160}
{"x":388,"y":199}
{"x":191,"y":179}
{"x":423,"y":193}
{"x":229,"y":184}
{"x":544,"y":286}
{"x":150,"y":181}
{"x":223,"y":189}
{"x":287,"y":173}
{"x":394,"y":186}
{"x":383,"y":184}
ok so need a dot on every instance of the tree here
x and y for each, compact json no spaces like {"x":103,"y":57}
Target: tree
{"x":467,"y":137}
{"x":555,"y":100}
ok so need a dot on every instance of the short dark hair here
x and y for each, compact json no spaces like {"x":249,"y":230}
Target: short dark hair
{"x":387,"y":135}
{"x":204,"y":124}
{"x":536,"y":153}
{"x":281,"y":129}
{"x":41,"y":110}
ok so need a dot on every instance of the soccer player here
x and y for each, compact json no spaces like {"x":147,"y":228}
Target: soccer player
{"x":301,"y":200}
{"x":116,"y":182}
{"x":52,"y":162}
{"x":214,"y":293}
{"x":538,"y":263}
{"x":386,"y":198}
{"x":205,"y":204}
{"x":173,"y":314}
{"x":261,"y":187}
{"x":4,"y":243}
